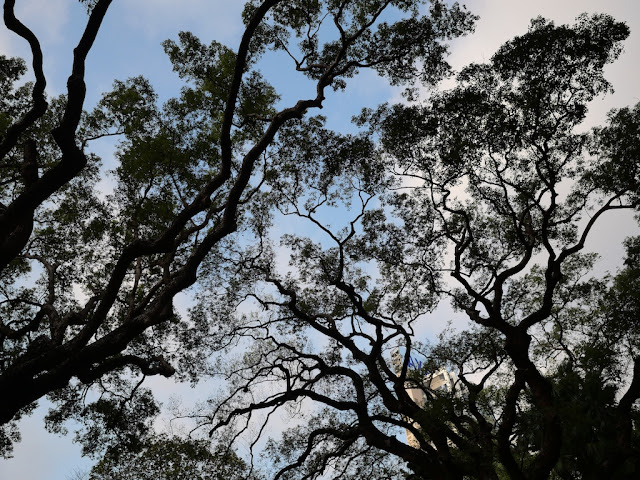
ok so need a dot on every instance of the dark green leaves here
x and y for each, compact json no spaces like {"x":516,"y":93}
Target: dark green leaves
{"x":618,"y":146}
{"x":166,"y":457}
{"x":563,"y":58}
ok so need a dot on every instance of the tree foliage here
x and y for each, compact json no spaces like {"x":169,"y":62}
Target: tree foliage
{"x":171,"y":458}
{"x":484,"y":194}
{"x":88,"y":280}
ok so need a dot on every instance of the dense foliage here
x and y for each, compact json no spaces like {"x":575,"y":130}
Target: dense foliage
{"x":482,"y":195}
{"x":88,"y":281}
{"x":171,"y":458}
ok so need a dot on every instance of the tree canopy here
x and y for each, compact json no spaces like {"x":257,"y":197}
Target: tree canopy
{"x":482,"y":195}
{"x":171,"y":458}
{"x":88,"y":282}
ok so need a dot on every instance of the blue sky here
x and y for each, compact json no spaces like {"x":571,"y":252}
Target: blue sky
{"x":129,"y":44}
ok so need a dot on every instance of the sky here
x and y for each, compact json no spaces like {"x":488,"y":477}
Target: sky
{"x":129,"y":44}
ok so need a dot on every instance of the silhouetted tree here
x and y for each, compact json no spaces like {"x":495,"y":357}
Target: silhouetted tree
{"x":87,"y":282}
{"x":171,"y":458}
{"x":484,"y":194}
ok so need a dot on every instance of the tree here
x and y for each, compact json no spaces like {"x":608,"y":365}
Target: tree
{"x":484,"y":194}
{"x":190,"y":194}
{"x":171,"y":458}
